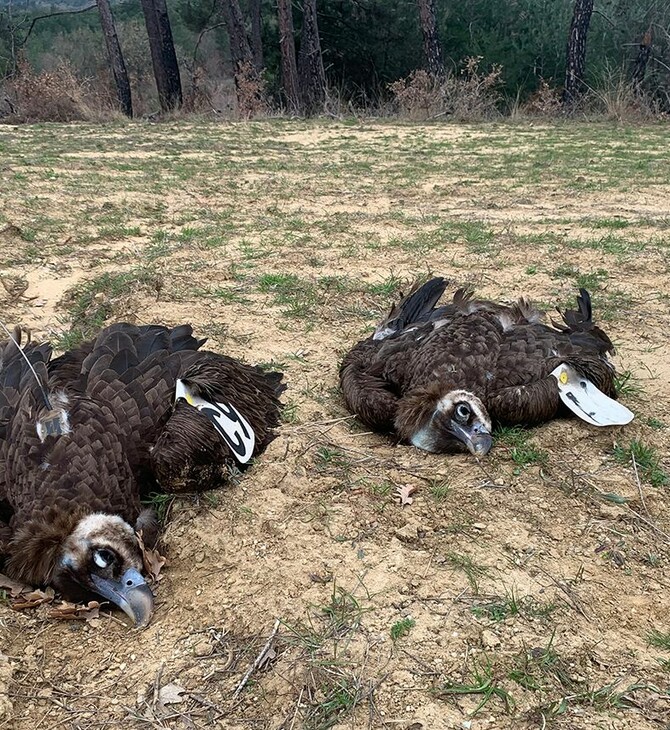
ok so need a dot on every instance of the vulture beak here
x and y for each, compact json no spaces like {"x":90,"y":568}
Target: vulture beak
{"x":130,"y":593}
{"x":476,"y":437}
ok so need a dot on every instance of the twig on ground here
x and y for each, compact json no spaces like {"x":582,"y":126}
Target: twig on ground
{"x":639,"y":484}
{"x":263,"y":652}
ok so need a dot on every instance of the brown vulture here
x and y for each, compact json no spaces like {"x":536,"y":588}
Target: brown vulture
{"x":85,"y":435}
{"x":438,"y":376}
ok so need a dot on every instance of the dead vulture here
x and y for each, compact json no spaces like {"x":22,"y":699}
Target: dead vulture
{"x":438,"y":376}
{"x":83,"y":436}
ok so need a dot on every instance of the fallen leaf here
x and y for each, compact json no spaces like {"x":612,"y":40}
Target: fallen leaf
{"x":152,"y":559}
{"x":171,"y":694}
{"x":32,"y":599}
{"x":267,"y":656}
{"x":13,"y":586}
{"x":403,"y":494}
{"x":76,"y":611}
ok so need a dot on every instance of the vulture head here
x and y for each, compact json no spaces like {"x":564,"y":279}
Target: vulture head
{"x":84,"y":557}
{"x":102,"y":556}
{"x":439,"y":422}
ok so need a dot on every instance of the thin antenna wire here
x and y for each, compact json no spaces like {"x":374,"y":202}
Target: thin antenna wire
{"x":30,"y":365}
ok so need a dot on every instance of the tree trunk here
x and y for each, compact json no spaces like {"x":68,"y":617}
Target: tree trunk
{"x":256,"y":34}
{"x":163,"y":56}
{"x":310,"y":66}
{"x":643,"y":56}
{"x":289,"y":68}
{"x":576,"y":54}
{"x":432,"y":50}
{"x":240,"y":50}
{"x":115,"y":57}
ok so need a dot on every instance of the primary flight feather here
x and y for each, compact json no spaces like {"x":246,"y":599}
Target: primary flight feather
{"x":83,"y":436}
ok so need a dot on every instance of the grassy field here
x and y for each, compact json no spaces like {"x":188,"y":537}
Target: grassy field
{"x":528,"y":590}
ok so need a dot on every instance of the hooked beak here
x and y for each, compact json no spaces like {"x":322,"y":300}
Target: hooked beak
{"x":476,"y":438}
{"x":130,"y":593}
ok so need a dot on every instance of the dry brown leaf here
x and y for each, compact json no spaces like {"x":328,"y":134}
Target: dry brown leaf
{"x":32,"y":599}
{"x":76,"y":611}
{"x":171,"y":694}
{"x":152,"y":559}
{"x":403,"y":494}
{"x":267,"y":656}
{"x":13,"y":586}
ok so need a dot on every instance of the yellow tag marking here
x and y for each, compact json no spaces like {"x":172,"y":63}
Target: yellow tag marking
{"x":563,"y":377}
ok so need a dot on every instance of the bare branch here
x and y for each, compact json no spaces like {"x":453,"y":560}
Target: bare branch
{"x":53,"y":15}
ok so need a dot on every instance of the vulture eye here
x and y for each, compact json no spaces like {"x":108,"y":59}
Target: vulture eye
{"x":103,"y":558}
{"x":462,"y":412}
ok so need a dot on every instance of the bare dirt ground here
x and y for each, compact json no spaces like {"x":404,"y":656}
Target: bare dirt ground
{"x":528,"y":590}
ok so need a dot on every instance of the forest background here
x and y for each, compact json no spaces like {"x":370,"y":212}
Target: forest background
{"x":421,"y":58}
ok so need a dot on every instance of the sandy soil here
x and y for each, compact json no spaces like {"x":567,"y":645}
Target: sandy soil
{"x":537,"y":585}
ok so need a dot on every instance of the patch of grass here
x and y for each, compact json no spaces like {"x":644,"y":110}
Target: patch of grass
{"x":92,"y":302}
{"x":439,"y":490}
{"x":656,"y":424}
{"x":289,"y":412}
{"x":522,"y":452}
{"x":402,"y":628}
{"x":160,"y":503}
{"x":342,"y":613}
{"x":299,"y":298}
{"x":381,"y":489}
{"x":331,"y":460}
{"x":511,"y":604}
{"x":625,"y":383}
{"x":466,"y":564}
{"x":281,"y":283}
{"x":387,"y":288}
{"x":564,"y":271}
{"x":659,"y":639}
{"x":229,"y":295}
{"x":333,"y":690}
{"x":336,"y":696}
{"x":611,"y":223}
{"x":481,"y":681}
{"x":602,"y":699}
{"x":583,"y":280}
{"x":591,"y":281}
{"x":613,"y":304}
{"x":646,"y":459}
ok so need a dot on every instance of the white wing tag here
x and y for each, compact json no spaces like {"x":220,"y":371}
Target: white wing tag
{"x":585,"y":400}
{"x":230,"y":424}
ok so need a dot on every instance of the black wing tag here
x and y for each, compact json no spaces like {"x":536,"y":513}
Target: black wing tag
{"x":229,"y":423}
{"x":53,"y":423}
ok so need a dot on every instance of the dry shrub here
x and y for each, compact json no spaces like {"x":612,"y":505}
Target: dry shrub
{"x":54,"y":96}
{"x":546,"y":101}
{"x":469,"y":96}
{"x":250,"y":87}
{"x":616,"y":98}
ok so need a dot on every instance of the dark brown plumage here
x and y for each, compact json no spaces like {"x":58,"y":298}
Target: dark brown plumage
{"x":72,"y":472}
{"x":439,"y":375}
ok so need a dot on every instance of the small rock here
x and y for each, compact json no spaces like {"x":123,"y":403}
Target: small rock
{"x":489,"y":639}
{"x":203,"y":649}
{"x":408,"y":533}
{"x":479,"y":526}
{"x":200,"y":557}
{"x":39,"y":302}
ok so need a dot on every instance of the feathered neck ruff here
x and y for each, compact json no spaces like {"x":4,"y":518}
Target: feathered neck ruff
{"x":35,"y":548}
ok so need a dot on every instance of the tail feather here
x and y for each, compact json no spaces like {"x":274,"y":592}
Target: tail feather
{"x":416,"y":307}
{"x":579,"y":324}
